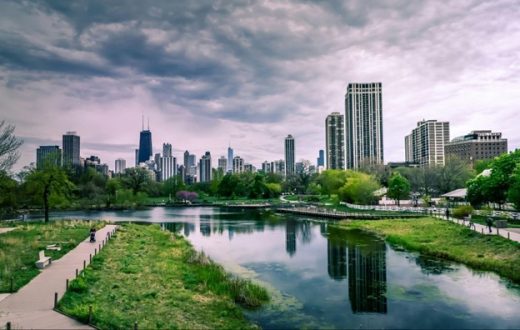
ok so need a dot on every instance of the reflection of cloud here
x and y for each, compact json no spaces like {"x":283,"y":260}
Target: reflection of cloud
{"x":256,"y":71}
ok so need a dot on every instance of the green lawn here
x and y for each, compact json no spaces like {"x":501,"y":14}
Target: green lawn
{"x":19,"y":248}
{"x":450,"y":241}
{"x":157,"y":279}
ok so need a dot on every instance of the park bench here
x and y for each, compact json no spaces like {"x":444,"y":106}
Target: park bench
{"x":43,"y":261}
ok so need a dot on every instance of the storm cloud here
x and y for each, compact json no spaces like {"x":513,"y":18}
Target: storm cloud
{"x":248,"y":73}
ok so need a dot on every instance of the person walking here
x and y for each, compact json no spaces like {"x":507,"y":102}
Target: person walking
{"x":447,"y":214}
{"x":489,"y":223}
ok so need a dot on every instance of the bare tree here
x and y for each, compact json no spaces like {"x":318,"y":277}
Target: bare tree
{"x":9,"y":145}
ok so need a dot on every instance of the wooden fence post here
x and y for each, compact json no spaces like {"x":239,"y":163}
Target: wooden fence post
{"x":55,"y":299}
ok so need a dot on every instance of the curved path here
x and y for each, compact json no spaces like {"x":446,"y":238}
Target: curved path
{"x":32,"y":306}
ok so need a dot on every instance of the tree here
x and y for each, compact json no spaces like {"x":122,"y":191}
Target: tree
{"x":136,"y":179}
{"x":398,"y":187}
{"x":359,"y":188}
{"x":50,"y":186}
{"x":8,"y":194}
{"x":9,"y":145}
{"x":513,"y":194}
{"x":453,"y":175}
{"x":331,"y":181}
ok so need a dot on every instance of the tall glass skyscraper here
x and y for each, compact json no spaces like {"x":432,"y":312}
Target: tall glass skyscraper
{"x":145,"y":146}
{"x":364,"y":124}
{"x":229,"y":159}
{"x":289,"y":155}
{"x":321,"y":158}
{"x":71,"y":144}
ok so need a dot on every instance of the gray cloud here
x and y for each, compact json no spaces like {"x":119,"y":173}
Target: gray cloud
{"x":208,"y":72}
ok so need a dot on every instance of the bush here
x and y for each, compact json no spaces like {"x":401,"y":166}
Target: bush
{"x":462,"y":211}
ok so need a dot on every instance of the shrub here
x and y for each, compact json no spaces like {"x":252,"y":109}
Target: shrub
{"x":462,"y":211}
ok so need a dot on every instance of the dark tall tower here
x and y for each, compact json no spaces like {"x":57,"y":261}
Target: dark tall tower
{"x":289,"y":156}
{"x":71,"y":150}
{"x":145,"y":146}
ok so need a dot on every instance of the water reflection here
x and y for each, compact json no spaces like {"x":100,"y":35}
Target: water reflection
{"x":290,"y":237}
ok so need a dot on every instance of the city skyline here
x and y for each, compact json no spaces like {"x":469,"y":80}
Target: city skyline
{"x":198,"y":70}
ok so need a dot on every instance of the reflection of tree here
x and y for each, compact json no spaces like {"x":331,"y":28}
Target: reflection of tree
{"x":174,"y":227}
{"x":205,"y":227}
{"x":188,"y":228}
{"x":337,"y":259}
{"x":290,"y":237}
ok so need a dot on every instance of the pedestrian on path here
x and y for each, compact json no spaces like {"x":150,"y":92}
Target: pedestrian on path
{"x":489,"y":223}
{"x":447,"y":214}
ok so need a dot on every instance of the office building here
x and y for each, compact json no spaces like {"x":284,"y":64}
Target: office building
{"x":168,"y":167}
{"x":136,"y":157}
{"x":120,"y":166}
{"x":167,"y":150}
{"x":363,"y":125}
{"x":335,"y":141}
{"x":71,"y":149}
{"x":48,"y":155}
{"x":321,"y":159}
{"x":145,"y":146}
{"x":249,"y":168}
{"x":238,"y":164}
{"x":425,"y":144}
{"x":266,"y":167}
{"x":477,"y":145}
{"x":289,"y":156}
{"x":230,"y":157}
{"x":205,"y":168}
{"x":222,"y":164}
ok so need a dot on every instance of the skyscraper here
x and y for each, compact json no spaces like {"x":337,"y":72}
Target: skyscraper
{"x":289,"y":155}
{"x":222,"y":164}
{"x":167,"y":150}
{"x":364,"y":124}
{"x":205,"y":167}
{"x":321,"y":158}
{"x":334,"y":141}
{"x":238,"y":164}
{"x":136,"y":157}
{"x":229,"y":159}
{"x":145,"y":146}
{"x":120,"y":166}
{"x":168,"y":167}
{"x":425,"y":145}
{"x":48,"y":155}
{"x":266,"y":167}
{"x":71,"y":149}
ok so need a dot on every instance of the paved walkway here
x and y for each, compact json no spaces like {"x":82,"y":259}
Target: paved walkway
{"x":509,"y":233}
{"x":6,"y":230}
{"x":32,"y":306}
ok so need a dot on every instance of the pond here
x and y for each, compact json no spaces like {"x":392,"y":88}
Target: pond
{"x":320,"y":276}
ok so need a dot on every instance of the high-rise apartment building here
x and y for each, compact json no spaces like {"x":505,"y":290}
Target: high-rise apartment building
{"x":425,"y":145}
{"x":71,"y":149}
{"x":249,"y":168}
{"x":229,"y":159}
{"x":222,"y":164}
{"x":145,"y":146}
{"x":168,"y":167}
{"x":266,"y":167}
{"x":363,"y":124}
{"x":477,"y":145}
{"x":335,"y":141}
{"x":289,"y":156}
{"x":238,"y":164}
{"x":48,"y":155}
{"x":120,"y":166}
{"x":136,"y":157}
{"x":205,"y":168}
{"x":278,"y":167}
{"x":167,"y":150}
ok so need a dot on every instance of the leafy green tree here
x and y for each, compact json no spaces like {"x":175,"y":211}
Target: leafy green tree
{"x":359,"y":188}
{"x":49,"y":186}
{"x":136,"y":179}
{"x":228,"y":185}
{"x":453,"y":175}
{"x":513,"y":194}
{"x":273,"y":190}
{"x":398,"y":188}
{"x":331,"y":181}
{"x":8,"y":194}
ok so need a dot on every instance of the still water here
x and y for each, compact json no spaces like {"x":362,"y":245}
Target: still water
{"x":322,"y":277}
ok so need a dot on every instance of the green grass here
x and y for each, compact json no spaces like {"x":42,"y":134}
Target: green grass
{"x":19,"y":248}
{"x":157,"y":279}
{"x":449,"y":241}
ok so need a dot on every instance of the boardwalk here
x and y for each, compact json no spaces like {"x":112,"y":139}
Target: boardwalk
{"x":32,"y":306}
{"x":340,"y":215}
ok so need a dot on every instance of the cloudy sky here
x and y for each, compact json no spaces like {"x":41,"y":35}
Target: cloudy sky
{"x":248,"y":73}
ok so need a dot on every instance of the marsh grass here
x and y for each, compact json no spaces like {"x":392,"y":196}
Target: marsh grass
{"x":152,"y":277}
{"x":450,"y":241}
{"x":19,"y":248}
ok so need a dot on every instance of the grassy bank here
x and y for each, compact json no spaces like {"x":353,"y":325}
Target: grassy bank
{"x":157,"y":279}
{"x":450,"y":241}
{"x":19,"y":248}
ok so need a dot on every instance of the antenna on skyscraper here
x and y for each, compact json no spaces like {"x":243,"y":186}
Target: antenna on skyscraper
{"x":142,"y":122}
{"x":148,"y":123}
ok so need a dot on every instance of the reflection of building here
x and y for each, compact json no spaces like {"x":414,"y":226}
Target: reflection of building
{"x":290,"y":237}
{"x":336,"y":259}
{"x":188,"y":228}
{"x":367,"y":276}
